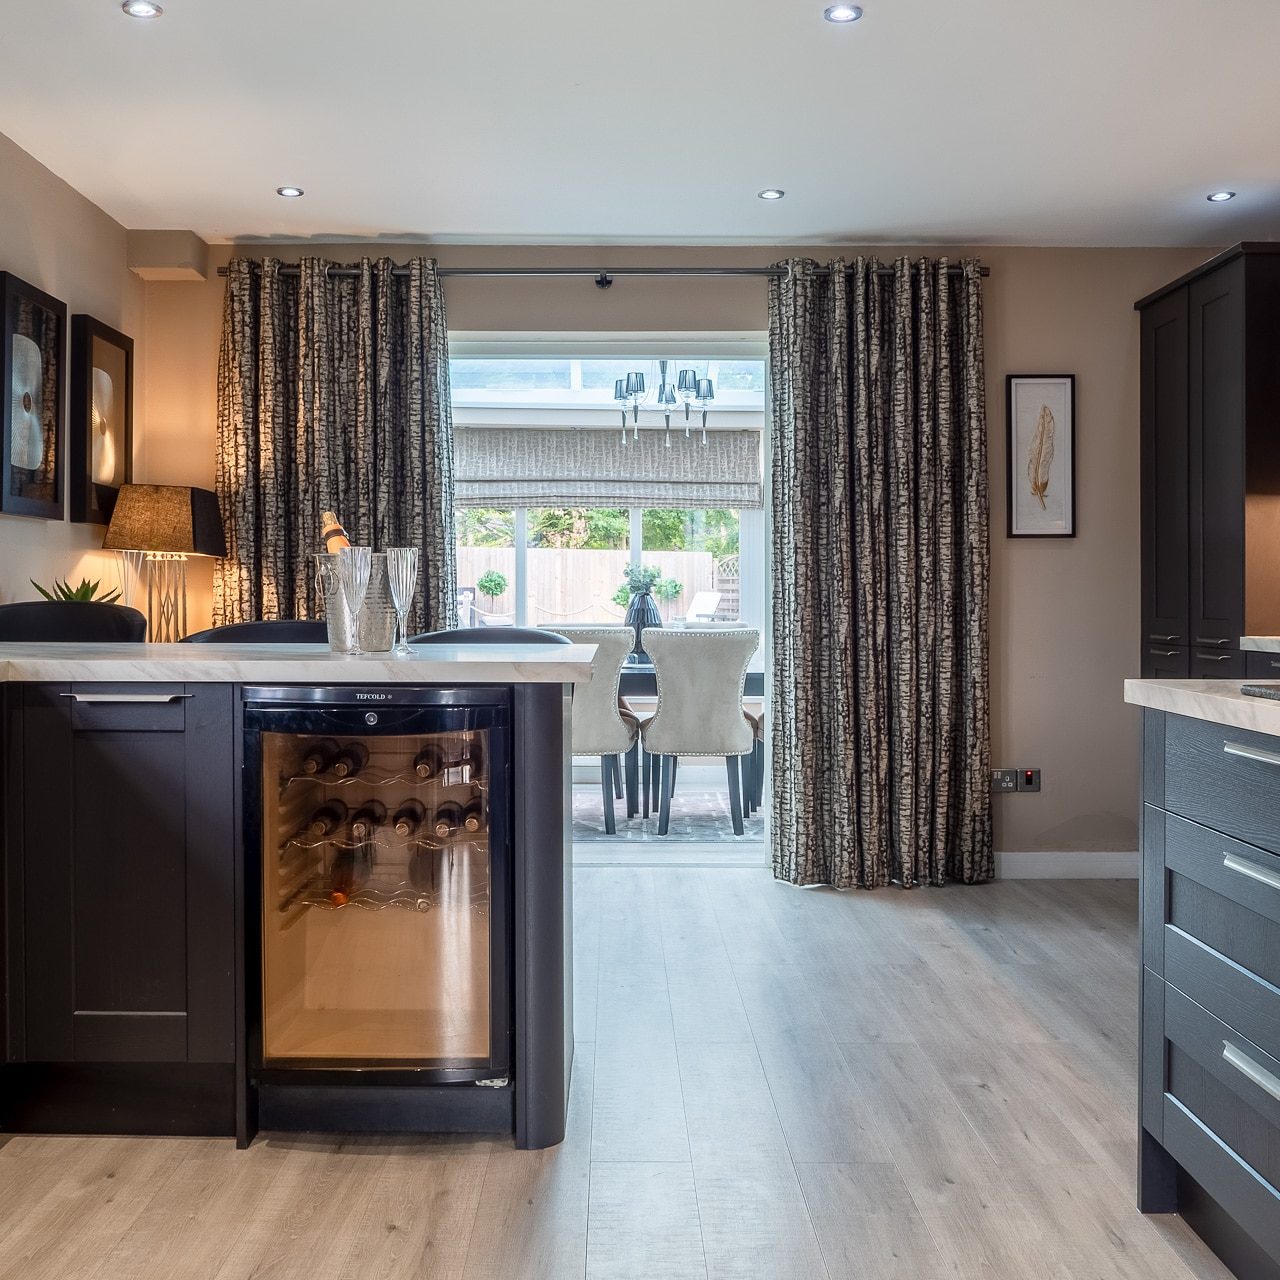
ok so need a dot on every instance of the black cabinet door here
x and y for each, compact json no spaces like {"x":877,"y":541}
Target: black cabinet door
{"x":1216,"y":431}
{"x":128,"y":854}
{"x":1165,"y":660}
{"x":1262,"y":666}
{"x":1217,"y":664}
{"x":1165,"y":583}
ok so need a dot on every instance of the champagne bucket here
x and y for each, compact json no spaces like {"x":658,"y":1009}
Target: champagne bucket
{"x":377,"y":618}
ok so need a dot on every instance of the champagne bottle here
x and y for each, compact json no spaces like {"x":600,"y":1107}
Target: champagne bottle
{"x":366,"y":819}
{"x":473,"y":815}
{"x":332,"y":532}
{"x":328,"y":818}
{"x":348,"y":875}
{"x":409,"y":817}
{"x":448,"y":819}
{"x":350,"y":759}
{"x":471,"y":758}
{"x":429,"y":762}
{"x":319,"y":757}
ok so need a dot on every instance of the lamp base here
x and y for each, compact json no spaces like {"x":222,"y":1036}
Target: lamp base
{"x":166,"y":596}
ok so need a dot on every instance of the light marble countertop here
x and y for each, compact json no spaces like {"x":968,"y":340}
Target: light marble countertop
{"x":297,"y":664}
{"x":1219,"y":701}
{"x":1261,"y":644}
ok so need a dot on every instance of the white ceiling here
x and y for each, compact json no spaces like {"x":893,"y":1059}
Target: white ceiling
{"x":1102,"y":122}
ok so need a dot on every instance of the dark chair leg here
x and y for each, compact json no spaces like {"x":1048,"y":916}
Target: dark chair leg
{"x":656,"y":782}
{"x":632,"y":761}
{"x":675,"y":765}
{"x":735,"y":796}
{"x":646,"y":784}
{"x":607,"y":764}
{"x":758,"y":770}
{"x":664,"y":813}
{"x":747,"y":766}
{"x":617,"y":777}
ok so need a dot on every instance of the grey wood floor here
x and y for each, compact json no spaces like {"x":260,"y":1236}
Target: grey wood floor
{"x":769,"y":1082}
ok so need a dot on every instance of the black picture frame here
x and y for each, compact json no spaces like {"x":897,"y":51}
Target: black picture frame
{"x":33,"y":363}
{"x":1051,"y":512}
{"x":100,"y":441}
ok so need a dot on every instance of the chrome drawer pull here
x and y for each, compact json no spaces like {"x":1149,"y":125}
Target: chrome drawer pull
{"x":1163,"y":653}
{"x":1251,"y":753}
{"x":125,"y":697}
{"x":1264,"y":875}
{"x":1246,"y":1066}
{"x":1215,"y":657}
{"x":1202,"y":640}
{"x":1166,"y":639}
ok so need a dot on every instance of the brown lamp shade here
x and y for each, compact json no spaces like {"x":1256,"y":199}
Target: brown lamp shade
{"x":166,"y":517}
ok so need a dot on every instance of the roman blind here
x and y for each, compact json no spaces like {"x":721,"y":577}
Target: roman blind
{"x":581,"y":467}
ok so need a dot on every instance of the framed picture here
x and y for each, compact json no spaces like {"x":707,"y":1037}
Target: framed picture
{"x":100,"y":444}
{"x":1041,"y":454}
{"x":34,"y":378}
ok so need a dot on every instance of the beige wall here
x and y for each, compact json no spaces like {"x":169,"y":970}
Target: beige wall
{"x":54,"y":238}
{"x":1065,"y":614}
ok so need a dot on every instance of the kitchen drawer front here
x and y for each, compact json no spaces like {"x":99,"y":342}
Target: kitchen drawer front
{"x":1246,"y":1196}
{"x":1261,"y":666}
{"x":1224,"y":778}
{"x":1168,"y":660}
{"x":1247,"y":1003}
{"x":1211,"y":664}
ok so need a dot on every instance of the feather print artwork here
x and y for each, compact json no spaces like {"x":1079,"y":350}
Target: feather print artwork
{"x":1040,"y":455}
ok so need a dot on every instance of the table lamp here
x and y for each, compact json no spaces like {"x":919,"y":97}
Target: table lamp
{"x":159,"y":526}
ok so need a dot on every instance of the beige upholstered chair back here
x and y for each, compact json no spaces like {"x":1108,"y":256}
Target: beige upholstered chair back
{"x":700,"y":674}
{"x":598,"y":725}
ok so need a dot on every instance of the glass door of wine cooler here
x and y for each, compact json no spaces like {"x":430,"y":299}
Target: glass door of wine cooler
{"x":382,"y":835}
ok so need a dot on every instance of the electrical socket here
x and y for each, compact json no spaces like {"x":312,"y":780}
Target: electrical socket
{"x":1003,"y":780}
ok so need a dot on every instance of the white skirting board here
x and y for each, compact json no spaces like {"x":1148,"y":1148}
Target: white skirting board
{"x":1069,"y":864}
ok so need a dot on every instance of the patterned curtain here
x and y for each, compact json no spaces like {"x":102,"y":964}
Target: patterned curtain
{"x":880,"y":575}
{"x":333,"y":394}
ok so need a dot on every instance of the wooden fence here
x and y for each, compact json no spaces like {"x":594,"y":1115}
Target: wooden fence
{"x":570,"y":586}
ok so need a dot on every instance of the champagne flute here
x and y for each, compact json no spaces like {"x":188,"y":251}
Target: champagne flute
{"x":402,"y":576}
{"x":355,"y":564}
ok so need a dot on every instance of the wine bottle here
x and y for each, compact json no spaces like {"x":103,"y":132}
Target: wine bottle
{"x":448,"y":819}
{"x":473,"y":815}
{"x":366,"y":819}
{"x":348,"y":875}
{"x":328,"y":818}
{"x":429,"y":762}
{"x":319,"y":757}
{"x":332,"y":532}
{"x":471,"y":758}
{"x":350,"y":759}
{"x":409,"y":817}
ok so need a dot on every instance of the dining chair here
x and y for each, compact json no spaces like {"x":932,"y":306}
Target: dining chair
{"x":699,"y":674}
{"x":601,"y":725}
{"x":265,"y":631}
{"x":491,"y":635}
{"x":62,"y":621}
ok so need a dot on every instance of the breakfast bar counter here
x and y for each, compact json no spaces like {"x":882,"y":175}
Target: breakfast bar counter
{"x":273,"y":887}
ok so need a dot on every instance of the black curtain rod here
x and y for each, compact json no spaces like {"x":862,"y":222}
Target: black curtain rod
{"x":603,"y":276}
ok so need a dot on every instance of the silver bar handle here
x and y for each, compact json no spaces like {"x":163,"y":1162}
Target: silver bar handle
{"x":1245,"y":1065}
{"x":1251,"y":753}
{"x":1165,"y":639}
{"x":125,"y":697}
{"x":1202,"y":640}
{"x":1215,"y":657}
{"x":1243,"y":867}
{"x":1164,"y":653}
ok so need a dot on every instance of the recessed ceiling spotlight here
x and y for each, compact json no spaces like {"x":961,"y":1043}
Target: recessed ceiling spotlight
{"x":842,"y":12}
{"x":142,"y":8}
{"x":770,"y":193}
{"x":289,"y":193}
{"x":1217,"y":197}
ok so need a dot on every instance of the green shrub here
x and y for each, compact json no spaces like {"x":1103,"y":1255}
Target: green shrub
{"x":492,"y":584}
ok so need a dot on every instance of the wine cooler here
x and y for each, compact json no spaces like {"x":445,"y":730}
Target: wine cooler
{"x":379,"y":876}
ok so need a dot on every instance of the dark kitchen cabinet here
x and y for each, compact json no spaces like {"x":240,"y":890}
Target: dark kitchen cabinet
{"x":1211,"y":462}
{"x":121,"y":866}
